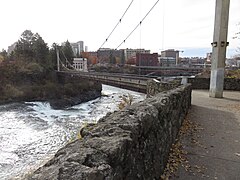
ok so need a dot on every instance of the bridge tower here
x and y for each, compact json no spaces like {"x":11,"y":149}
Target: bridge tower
{"x":219,"y":47}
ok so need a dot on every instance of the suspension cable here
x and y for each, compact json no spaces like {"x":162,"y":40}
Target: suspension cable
{"x":67,"y":62}
{"x":137,"y":25}
{"x":120,"y":20}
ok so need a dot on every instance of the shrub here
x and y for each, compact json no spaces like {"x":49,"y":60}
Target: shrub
{"x":233,"y":74}
{"x":126,"y":101}
{"x":31,"y":68}
{"x":11,"y":91}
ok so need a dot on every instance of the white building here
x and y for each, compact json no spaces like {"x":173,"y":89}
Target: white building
{"x":80,"y":64}
{"x":86,"y":48}
{"x":209,"y":57}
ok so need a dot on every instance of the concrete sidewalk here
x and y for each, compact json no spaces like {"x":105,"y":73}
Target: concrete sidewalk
{"x":216,"y":155}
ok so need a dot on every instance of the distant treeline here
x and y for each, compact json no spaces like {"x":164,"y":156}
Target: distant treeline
{"x":31,"y":48}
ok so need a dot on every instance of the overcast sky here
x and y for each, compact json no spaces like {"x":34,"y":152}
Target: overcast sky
{"x":178,"y":24}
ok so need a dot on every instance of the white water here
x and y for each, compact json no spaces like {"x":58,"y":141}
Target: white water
{"x":30,"y":133}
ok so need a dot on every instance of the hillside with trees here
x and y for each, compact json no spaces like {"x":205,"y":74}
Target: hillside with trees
{"x":28,"y":74}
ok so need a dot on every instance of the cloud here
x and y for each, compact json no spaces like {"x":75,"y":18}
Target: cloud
{"x":182,"y":23}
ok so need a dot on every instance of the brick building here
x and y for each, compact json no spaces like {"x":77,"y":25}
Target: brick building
{"x":143,"y":59}
{"x":104,"y":54}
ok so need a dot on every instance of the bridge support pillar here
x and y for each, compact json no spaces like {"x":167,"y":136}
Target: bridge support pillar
{"x":219,"y":48}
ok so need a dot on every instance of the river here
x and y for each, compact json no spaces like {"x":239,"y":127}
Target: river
{"x":32,"y":132}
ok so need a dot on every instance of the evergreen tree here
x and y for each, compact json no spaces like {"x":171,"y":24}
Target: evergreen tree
{"x":32,"y":48}
{"x":68,"y":52}
{"x":24,"y":47}
{"x":53,"y":55}
{"x":4,"y":55}
{"x":40,"y":50}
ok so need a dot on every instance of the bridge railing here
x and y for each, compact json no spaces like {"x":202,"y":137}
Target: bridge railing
{"x":127,"y":81}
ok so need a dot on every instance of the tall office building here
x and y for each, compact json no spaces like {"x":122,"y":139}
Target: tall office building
{"x":169,"y":57}
{"x":11,"y":48}
{"x":77,"y":47}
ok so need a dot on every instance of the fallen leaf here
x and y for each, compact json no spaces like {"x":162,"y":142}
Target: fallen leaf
{"x":237,"y":154}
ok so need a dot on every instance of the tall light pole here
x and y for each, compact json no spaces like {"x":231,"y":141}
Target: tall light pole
{"x":58,"y":59}
{"x":219,"y":46}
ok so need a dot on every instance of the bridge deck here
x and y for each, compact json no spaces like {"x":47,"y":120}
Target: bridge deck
{"x":132,"y":82}
{"x":126,"y":81}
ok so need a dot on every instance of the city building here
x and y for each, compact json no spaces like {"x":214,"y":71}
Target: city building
{"x":170,"y":55}
{"x":209,"y":58}
{"x":91,"y":57}
{"x":143,"y":59}
{"x":77,"y":48}
{"x":104,"y":54}
{"x":231,"y":62}
{"x":238,"y":63}
{"x":86,"y":48}
{"x":11,"y":48}
{"x":131,"y":61}
{"x":80,"y":64}
{"x":129,"y":53}
{"x":92,"y":53}
{"x":167,"y":61}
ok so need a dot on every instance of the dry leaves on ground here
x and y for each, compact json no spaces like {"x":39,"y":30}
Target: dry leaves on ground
{"x":177,"y":156}
{"x":233,"y":107}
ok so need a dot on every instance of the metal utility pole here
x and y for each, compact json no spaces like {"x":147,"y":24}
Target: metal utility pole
{"x":219,"y":46}
{"x":58,"y":59}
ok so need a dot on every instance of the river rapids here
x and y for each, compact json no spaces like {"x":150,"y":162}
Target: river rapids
{"x":32,"y":132}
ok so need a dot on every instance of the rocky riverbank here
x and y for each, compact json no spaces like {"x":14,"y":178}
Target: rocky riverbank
{"x":33,"y":83}
{"x":78,"y":99}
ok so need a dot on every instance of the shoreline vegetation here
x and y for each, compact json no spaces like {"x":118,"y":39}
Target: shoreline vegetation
{"x":28,"y":74}
{"x":31,"y":82}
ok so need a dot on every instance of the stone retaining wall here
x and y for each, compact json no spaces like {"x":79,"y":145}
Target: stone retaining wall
{"x":204,"y":83}
{"x":155,"y":86}
{"x":130,"y":144}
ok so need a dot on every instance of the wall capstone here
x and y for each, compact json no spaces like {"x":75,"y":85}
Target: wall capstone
{"x":155,"y":86}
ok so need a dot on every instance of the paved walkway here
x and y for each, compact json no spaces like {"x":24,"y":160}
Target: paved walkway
{"x":216,"y":155}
